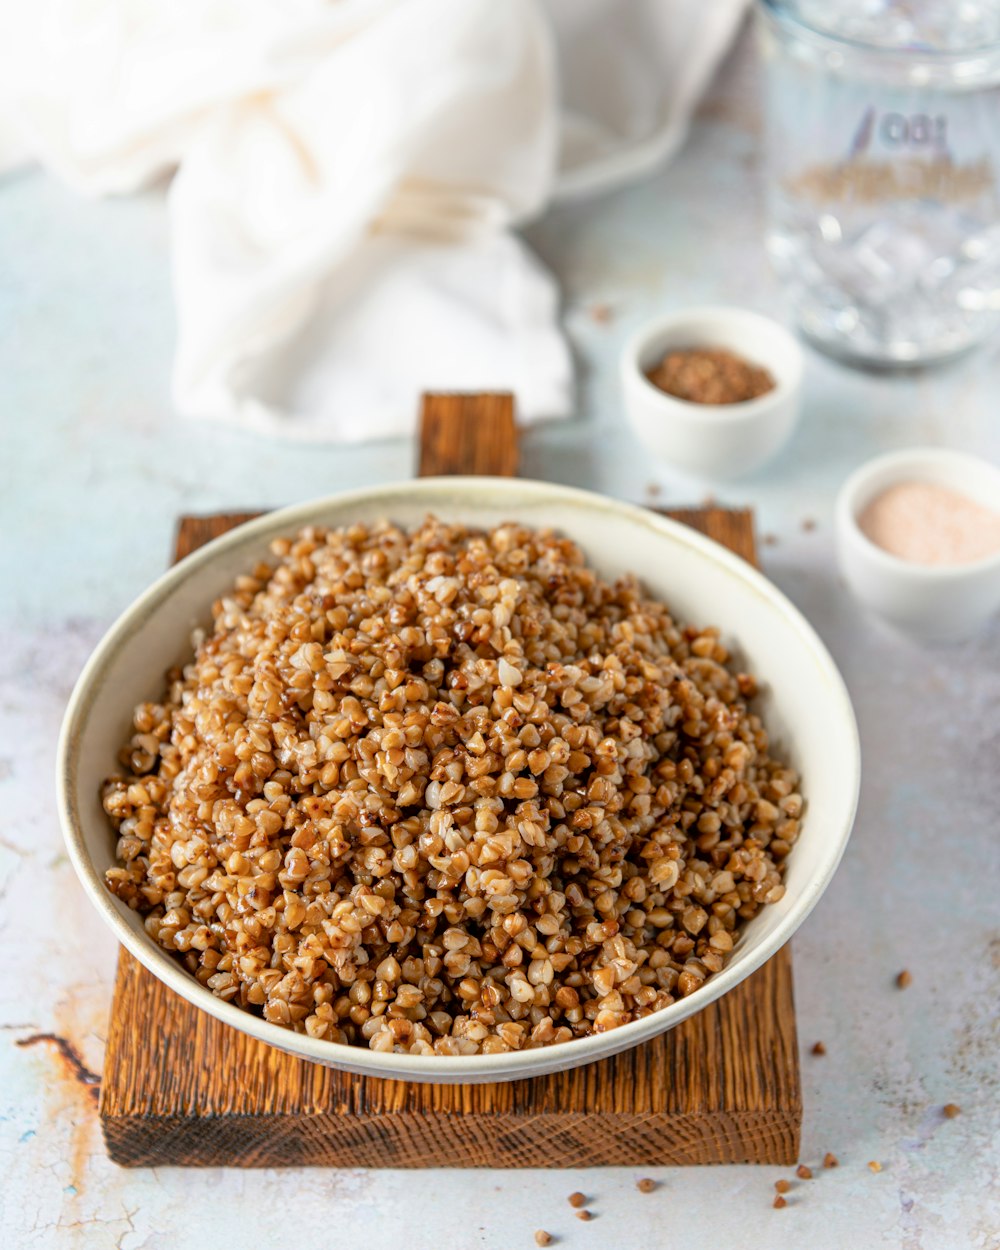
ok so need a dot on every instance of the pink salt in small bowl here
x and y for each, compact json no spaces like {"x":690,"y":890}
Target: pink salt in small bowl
{"x":945,"y":601}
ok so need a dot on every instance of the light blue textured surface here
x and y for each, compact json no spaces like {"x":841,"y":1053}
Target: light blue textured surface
{"x":95,"y":468}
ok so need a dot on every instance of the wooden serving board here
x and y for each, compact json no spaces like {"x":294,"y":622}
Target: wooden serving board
{"x":180,"y":1088}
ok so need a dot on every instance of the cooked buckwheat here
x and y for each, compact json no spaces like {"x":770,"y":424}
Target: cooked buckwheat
{"x":447,"y":792}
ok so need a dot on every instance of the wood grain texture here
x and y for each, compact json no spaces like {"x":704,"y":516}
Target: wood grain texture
{"x":180,"y":1088}
{"x":468,"y":434}
{"x":732,"y":527}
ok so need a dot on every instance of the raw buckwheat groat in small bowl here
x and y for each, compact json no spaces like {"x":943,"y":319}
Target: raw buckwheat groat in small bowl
{"x":445,"y":791}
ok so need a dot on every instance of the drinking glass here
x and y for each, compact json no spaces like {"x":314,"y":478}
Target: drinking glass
{"x":883,"y":172}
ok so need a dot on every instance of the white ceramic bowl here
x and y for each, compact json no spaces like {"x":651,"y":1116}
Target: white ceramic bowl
{"x":929,"y":602}
{"x":713,"y":440}
{"x":804,"y":703}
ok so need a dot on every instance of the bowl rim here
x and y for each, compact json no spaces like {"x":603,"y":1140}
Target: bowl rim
{"x":784,"y":387}
{"x":897,"y":463}
{"x":440,"y":1068}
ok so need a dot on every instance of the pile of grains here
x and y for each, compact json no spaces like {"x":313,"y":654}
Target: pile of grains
{"x":925,"y":523}
{"x":710,"y":376}
{"x":447,"y":792}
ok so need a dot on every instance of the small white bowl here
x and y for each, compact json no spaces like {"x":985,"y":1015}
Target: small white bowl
{"x":713,"y":440}
{"x":933,"y":603}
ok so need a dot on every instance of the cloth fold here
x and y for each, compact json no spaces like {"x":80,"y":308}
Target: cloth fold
{"x":350,"y":174}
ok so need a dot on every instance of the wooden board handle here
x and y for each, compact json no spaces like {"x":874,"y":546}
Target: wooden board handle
{"x":468,"y":434}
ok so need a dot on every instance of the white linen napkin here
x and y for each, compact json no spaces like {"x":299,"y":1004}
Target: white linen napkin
{"x":631,"y":73}
{"x":348,"y":176}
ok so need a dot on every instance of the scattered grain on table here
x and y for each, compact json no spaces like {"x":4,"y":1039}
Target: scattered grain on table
{"x":903,"y":979}
{"x":830,"y":1160}
{"x":950,"y":1110}
{"x":646,"y":1185}
{"x":819,"y":1048}
{"x":577,"y":1199}
{"x":803,"y":1173}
